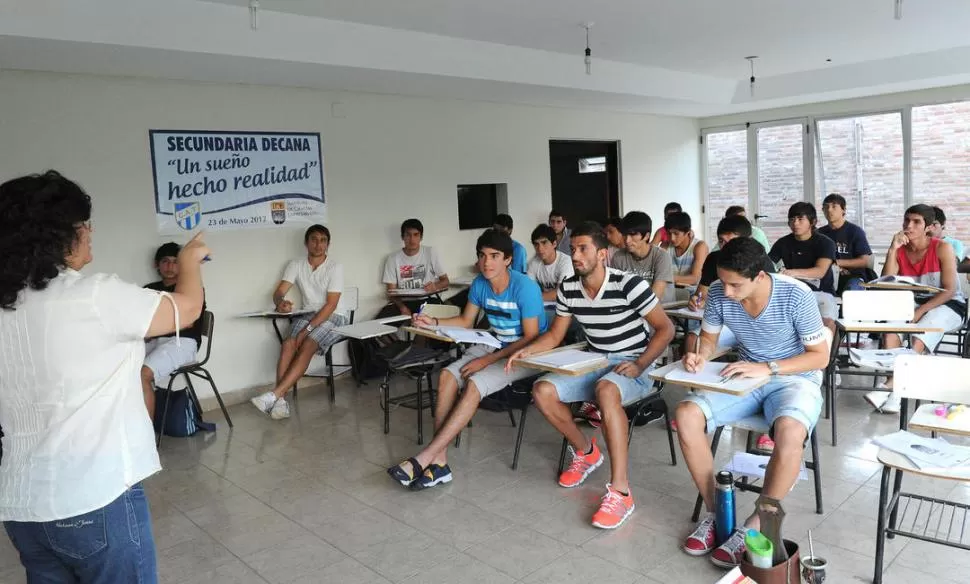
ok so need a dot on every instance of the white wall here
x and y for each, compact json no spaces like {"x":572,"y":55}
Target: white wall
{"x":387,"y":159}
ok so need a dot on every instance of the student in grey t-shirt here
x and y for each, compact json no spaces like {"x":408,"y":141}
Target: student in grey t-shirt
{"x":549,"y":266}
{"x":649,"y":262}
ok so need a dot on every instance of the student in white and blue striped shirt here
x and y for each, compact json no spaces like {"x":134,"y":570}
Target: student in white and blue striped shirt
{"x":780,"y":333}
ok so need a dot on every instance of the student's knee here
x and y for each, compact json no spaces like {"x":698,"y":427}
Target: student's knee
{"x":544,"y":394}
{"x":607,"y":393}
{"x":288,"y":345}
{"x":472,"y":393}
{"x":789,"y":433}
{"x":690,"y":418}
{"x":447,"y":382}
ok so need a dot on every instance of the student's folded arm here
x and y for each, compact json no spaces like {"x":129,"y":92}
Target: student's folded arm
{"x":822,"y":266}
{"x":659,"y":287}
{"x":443,"y":281}
{"x":855,"y":263}
{"x":890,"y":267}
{"x":326,"y":310}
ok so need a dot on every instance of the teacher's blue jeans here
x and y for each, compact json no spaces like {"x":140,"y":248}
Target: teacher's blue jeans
{"x":112,"y":545}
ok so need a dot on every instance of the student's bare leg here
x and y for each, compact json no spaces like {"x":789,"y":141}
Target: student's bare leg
{"x":455,"y":422}
{"x":691,"y":432}
{"x":296,"y":368}
{"x":148,"y":390}
{"x":785,"y":462}
{"x":615,"y":430}
{"x":287,"y":352}
{"x":559,"y":414}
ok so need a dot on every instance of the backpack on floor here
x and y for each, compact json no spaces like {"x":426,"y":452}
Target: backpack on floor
{"x":184,"y":418}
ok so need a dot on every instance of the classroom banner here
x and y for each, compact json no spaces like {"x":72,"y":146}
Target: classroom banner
{"x":236,"y":180}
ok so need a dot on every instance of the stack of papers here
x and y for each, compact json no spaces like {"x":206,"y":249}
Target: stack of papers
{"x":877,"y":358}
{"x":471,"y":336}
{"x":925,"y":453}
{"x":755,"y":465}
{"x":569,"y":359}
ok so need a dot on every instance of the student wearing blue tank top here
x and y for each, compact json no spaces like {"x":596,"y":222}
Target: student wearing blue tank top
{"x":780,"y":334}
{"x":512,"y":302}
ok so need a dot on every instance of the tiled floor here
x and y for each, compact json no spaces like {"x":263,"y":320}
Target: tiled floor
{"x":306,"y":500}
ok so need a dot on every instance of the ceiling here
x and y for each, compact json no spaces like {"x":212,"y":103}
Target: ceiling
{"x":683,"y":57}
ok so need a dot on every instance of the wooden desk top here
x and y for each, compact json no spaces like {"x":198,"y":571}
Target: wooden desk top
{"x":529,"y":363}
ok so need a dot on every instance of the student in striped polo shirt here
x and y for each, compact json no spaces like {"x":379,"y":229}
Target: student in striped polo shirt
{"x":614,"y":309}
{"x":780,"y":333}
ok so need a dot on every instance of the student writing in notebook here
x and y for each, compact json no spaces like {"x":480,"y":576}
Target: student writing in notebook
{"x":928,"y":260}
{"x":780,"y":333}
{"x":614,"y":308}
{"x":512,"y":303}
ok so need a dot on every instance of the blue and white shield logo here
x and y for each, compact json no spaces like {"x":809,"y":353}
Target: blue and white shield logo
{"x":188,"y":215}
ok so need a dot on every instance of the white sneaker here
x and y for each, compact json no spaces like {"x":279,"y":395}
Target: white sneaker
{"x":877,"y":398}
{"x":281,"y":410}
{"x":838,"y":380}
{"x":891,"y":405}
{"x":264,"y":402}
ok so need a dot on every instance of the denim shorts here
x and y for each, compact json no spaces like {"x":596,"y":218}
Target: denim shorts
{"x":578,"y":388}
{"x":795,"y":396}
{"x":111,"y":545}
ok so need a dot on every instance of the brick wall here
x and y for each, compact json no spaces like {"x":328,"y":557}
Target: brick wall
{"x":862,"y":159}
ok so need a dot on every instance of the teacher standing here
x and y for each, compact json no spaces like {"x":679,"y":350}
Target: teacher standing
{"x":78,"y":442}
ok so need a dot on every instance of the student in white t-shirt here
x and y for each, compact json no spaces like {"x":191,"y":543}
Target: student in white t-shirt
{"x":549,"y":266}
{"x":320,"y":279}
{"x":413,"y":267}
{"x":78,"y":441}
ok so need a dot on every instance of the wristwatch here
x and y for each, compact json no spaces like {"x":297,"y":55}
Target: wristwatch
{"x":773,"y":366}
{"x":309,"y":328}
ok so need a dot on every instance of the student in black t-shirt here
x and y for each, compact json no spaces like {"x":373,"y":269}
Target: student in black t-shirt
{"x":852,"y":252}
{"x":162,"y":354}
{"x":808,"y":256}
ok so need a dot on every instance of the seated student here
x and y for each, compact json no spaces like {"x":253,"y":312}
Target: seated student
{"x":558,"y":223}
{"x":643,"y":259}
{"x":513,"y":305}
{"x":728,"y":229}
{"x":852,"y":251}
{"x":162,"y":354}
{"x":808,"y":256}
{"x":937,"y":229}
{"x":549,"y":266}
{"x":503,"y":223}
{"x":662,"y":238}
{"x":410,"y":268}
{"x":320,"y":279}
{"x":614,"y":235}
{"x":780,"y":333}
{"x":614,"y":308}
{"x":687,"y":251}
{"x":928,"y":260}
{"x":756,"y":232}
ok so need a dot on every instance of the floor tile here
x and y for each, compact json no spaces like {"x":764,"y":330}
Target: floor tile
{"x":518,"y":551}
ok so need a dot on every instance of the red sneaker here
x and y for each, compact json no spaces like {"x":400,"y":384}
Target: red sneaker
{"x":765,"y":444}
{"x":729,"y":553}
{"x":590,"y":413}
{"x":614,"y":509}
{"x":581,"y":465}
{"x":701,"y":542}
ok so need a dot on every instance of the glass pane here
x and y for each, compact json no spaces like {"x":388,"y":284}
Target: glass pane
{"x":861,"y":158}
{"x":781,"y":178}
{"x":941,"y":163}
{"x":727,"y":175}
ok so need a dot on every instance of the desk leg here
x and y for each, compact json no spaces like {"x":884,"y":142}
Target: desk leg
{"x":830,"y":372}
{"x":276,"y":328}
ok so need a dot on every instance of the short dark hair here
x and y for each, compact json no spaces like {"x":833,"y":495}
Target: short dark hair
{"x":543,"y":231}
{"x":672,"y":207}
{"x":40,"y":215}
{"x":940,"y":215}
{"x":167,"y":250}
{"x":835,"y":198}
{"x":593,"y":230}
{"x":742,"y":255}
{"x":557,"y":213}
{"x":927,"y":212}
{"x":737,"y":224}
{"x":503,"y":220}
{"x":412,"y":224}
{"x":803,"y":209}
{"x":678,"y":221}
{"x":637,"y":222}
{"x":315,"y":228}
{"x":615,"y":222}
{"x":494,"y":239}
{"x":734,"y":210}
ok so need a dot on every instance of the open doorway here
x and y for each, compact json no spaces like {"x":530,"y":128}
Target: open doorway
{"x":585,"y":179}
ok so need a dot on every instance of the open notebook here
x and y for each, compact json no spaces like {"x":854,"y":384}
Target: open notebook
{"x":900,"y":282}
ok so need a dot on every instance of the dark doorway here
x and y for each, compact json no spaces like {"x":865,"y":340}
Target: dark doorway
{"x":585,"y":179}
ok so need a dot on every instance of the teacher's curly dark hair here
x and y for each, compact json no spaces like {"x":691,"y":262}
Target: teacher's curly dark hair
{"x":40,"y":215}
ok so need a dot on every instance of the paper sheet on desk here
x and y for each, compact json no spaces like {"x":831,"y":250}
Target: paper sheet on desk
{"x":877,"y":358}
{"x":472,"y":336}
{"x":755,"y":466}
{"x":925,"y":453}
{"x":710,"y":375}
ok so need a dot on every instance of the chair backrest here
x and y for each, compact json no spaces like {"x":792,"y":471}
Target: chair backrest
{"x":208,"y":324}
{"x":351,"y":299}
{"x":441,"y":310}
{"x":870,"y":305}
{"x":932,"y":378}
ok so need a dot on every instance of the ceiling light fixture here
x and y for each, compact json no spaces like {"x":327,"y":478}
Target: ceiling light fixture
{"x":588,"y":59}
{"x":750,"y":60}
{"x":253,"y":14}
{"x":898,"y":12}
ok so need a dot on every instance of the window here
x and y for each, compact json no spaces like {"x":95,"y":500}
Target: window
{"x":941,"y":163}
{"x":726,"y":155}
{"x":861,"y":158}
{"x":781,"y":176}
{"x":594,"y":164}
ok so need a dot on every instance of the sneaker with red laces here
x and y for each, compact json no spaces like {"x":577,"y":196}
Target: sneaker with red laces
{"x":729,"y":553}
{"x":765,"y":444}
{"x":590,"y":413}
{"x":614,"y":509}
{"x":701,"y":542}
{"x":581,"y":465}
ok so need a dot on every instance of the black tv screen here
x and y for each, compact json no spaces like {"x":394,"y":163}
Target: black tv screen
{"x":477,"y":206}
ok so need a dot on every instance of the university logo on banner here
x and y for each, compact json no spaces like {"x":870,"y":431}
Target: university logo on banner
{"x":188,"y":215}
{"x":278,"y":211}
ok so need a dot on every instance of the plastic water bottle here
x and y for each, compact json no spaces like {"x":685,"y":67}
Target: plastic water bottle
{"x":724,"y":515}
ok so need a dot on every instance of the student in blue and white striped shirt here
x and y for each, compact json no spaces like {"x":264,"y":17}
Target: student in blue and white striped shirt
{"x":780,"y":333}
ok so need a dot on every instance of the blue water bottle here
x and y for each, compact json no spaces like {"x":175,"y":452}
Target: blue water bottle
{"x":724,"y":516}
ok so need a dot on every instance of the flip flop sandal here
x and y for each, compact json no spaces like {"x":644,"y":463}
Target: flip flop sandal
{"x":402,"y":476}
